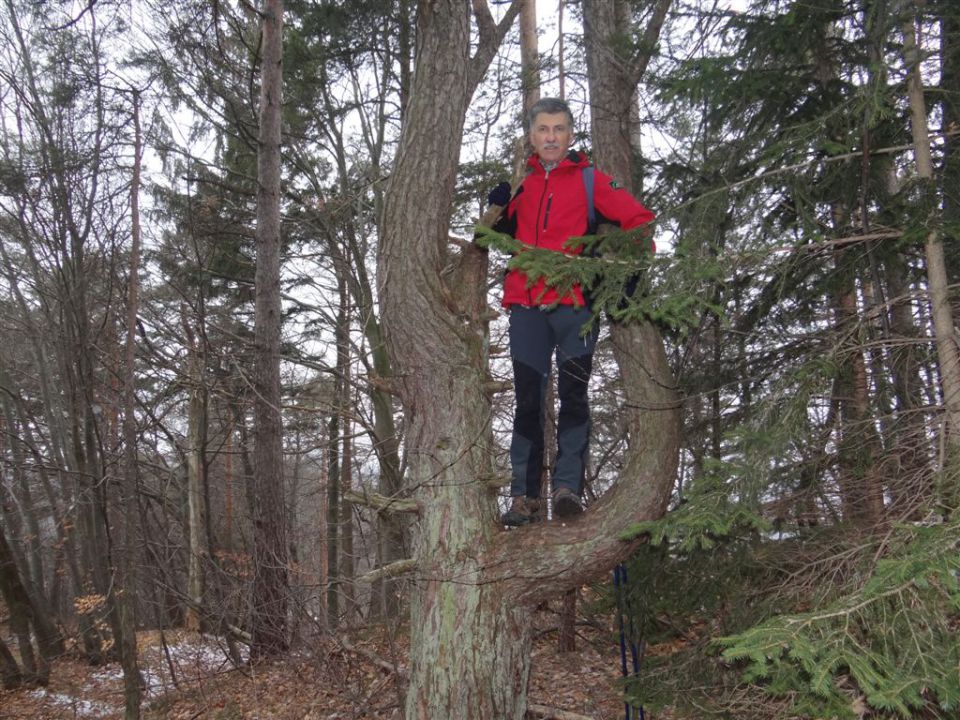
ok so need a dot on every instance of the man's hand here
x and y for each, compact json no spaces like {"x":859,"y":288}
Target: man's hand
{"x":500,"y":195}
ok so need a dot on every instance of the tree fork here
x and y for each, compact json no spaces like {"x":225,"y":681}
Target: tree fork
{"x":473,"y":593}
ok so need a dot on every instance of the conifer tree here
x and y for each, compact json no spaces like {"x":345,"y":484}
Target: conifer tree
{"x":271,"y":581}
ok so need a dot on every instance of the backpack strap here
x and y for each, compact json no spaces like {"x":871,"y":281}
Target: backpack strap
{"x":591,"y":210}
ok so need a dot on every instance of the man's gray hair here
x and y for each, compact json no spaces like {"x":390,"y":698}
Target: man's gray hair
{"x":551,"y":106}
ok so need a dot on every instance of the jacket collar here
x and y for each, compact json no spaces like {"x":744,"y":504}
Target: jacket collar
{"x":574,"y":159}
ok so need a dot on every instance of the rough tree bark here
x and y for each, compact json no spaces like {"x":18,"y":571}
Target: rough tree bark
{"x":270,"y":580}
{"x":473,"y":593}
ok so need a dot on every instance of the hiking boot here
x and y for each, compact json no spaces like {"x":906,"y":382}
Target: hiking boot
{"x":566,"y":503}
{"x":523,"y":510}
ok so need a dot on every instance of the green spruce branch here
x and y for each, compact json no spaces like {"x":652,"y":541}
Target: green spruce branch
{"x":891,"y":644}
{"x":616,"y":271}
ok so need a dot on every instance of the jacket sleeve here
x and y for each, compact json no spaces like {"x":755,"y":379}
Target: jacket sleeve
{"x":617,"y":205}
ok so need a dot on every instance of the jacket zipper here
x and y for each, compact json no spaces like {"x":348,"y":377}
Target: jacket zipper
{"x":546,"y":183}
{"x":546,"y":213}
{"x":536,"y":243}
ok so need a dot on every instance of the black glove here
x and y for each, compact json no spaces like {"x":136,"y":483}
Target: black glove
{"x":500,"y":195}
{"x":629,"y":290}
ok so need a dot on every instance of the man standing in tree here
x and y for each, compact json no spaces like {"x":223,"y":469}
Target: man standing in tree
{"x":551,"y":205}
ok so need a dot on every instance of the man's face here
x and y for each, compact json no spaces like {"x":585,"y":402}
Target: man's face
{"x":551,"y":136}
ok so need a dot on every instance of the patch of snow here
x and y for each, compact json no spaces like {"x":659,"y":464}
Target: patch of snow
{"x":108,"y":674}
{"x":83,"y":708}
{"x":153,"y":680}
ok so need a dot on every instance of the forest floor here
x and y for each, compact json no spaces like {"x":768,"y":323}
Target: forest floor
{"x":329,"y":680}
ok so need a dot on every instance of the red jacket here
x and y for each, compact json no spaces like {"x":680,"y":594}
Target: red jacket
{"x":549,"y":208}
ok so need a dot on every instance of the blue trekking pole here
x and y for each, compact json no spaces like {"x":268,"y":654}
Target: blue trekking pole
{"x":632,"y":634}
{"x":620,"y":583}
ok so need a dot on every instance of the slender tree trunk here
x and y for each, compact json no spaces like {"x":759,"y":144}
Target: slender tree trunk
{"x":950,"y":107}
{"x":34,"y":550}
{"x":53,"y":413}
{"x":529,"y":55}
{"x":392,"y":536}
{"x":333,"y":520}
{"x":567,"y":615}
{"x":338,"y":515}
{"x":270,"y":582}
{"x":909,"y":479}
{"x":405,"y":53}
{"x":35,"y":670}
{"x":324,"y":532}
{"x":347,"y":557}
{"x":49,"y":639}
{"x":228,"y":483}
{"x":129,"y":513}
{"x":944,"y":329}
{"x":861,"y":493}
{"x":348,"y":553}
{"x":392,"y":533}
{"x":51,"y":642}
{"x":567,"y":634}
{"x":10,"y":676}
{"x":334,"y":464}
{"x":197,"y":545}
{"x":561,"y":56}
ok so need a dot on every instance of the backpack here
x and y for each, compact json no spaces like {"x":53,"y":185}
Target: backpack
{"x":591,"y":210}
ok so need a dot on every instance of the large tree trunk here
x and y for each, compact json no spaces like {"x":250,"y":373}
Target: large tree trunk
{"x":473,"y":593}
{"x":270,"y":581}
{"x":469,"y":648}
